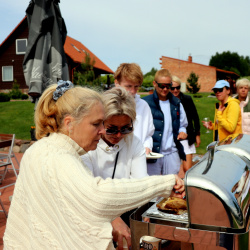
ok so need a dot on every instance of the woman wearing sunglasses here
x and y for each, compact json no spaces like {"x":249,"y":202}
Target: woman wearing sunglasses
{"x":119,"y":153}
{"x":193,"y":128}
{"x":227,"y":118}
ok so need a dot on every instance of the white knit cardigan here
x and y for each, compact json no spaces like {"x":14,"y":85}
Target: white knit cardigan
{"x":58,"y":204}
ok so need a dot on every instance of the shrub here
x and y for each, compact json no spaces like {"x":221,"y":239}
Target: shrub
{"x":15,"y":92}
{"x":15,"y":96}
{"x":4,"y":97}
{"x":197,"y":95}
{"x":24,"y":97}
{"x":193,"y":86}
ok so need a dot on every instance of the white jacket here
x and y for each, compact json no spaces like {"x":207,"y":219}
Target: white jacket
{"x":131,"y":162}
{"x":144,"y":125}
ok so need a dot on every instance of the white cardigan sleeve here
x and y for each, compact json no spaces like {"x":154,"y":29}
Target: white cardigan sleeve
{"x":105,"y":198}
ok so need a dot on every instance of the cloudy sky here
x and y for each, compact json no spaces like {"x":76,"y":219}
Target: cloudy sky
{"x":142,"y":31}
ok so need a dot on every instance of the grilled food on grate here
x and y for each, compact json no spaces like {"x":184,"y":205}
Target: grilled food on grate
{"x":172,"y":205}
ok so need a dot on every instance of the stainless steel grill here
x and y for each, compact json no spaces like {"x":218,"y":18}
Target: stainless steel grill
{"x":217,"y":191}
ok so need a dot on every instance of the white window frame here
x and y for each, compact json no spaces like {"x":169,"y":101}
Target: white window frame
{"x":20,"y":52}
{"x":9,"y":79}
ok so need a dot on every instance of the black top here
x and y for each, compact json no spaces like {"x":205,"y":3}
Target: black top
{"x":193,"y":127}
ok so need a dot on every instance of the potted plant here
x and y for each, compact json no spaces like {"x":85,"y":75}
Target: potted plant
{"x":33,"y":133}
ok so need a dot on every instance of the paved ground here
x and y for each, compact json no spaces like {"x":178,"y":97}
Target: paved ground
{"x":5,"y":196}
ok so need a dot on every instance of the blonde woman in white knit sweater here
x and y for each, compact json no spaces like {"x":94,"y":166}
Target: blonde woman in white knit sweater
{"x":57,"y":203}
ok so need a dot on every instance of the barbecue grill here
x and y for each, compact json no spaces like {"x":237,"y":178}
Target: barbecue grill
{"x":217,"y":194}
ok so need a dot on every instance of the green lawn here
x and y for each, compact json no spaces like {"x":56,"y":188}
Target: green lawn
{"x":16,"y":117}
{"x":206,"y":108}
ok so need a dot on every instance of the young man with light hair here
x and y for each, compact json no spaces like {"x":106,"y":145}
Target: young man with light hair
{"x":170,"y":123}
{"x":130,"y":77}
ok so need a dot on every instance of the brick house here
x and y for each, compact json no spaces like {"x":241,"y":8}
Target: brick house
{"x":12,"y":51}
{"x":208,"y":75}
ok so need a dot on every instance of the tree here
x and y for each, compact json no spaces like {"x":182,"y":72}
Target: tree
{"x":231,"y":61}
{"x":193,"y":86}
{"x":86,"y":77}
{"x":148,"y":79}
{"x":148,"y":82}
{"x":151,"y":72}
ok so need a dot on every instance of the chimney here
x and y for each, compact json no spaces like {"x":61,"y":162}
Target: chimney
{"x":189,"y":58}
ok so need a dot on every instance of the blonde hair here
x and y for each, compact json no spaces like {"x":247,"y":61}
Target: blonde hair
{"x":243,"y":82}
{"x":176,"y":79}
{"x":130,"y":71}
{"x":75,"y":102}
{"x":162,"y":73}
{"x":118,"y":101}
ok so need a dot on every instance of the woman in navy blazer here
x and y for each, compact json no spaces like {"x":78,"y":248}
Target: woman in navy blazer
{"x":193,"y":128}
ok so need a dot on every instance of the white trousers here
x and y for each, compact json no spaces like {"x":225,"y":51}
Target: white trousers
{"x":169,"y":164}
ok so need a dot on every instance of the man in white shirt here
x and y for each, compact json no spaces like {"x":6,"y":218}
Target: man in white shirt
{"x":130,"y":77}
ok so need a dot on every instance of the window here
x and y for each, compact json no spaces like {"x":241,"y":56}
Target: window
{"x":75,"y":47}
{"x":21,"y":45}
{"x":7,"y":73}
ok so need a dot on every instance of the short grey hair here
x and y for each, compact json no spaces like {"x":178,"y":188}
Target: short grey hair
{"x":243,"y":82}
{"x":118,"y":101}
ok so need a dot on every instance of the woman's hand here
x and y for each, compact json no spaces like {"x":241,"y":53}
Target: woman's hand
{"x":179,"y":188}
{"x":221,"y":108}
{"x":182,"y":136}
{"x":198,"y":141}
{"x":146,"y":219}
{"x":208,"y":125}
{"x":120,"y":231}
{"x":147,"y":150}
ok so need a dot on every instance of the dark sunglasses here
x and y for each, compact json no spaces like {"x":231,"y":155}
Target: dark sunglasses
{"x":164,"y":85}
{"x":177,"y":87}
{"x":124,"y":130}
{"x":218,"y":90}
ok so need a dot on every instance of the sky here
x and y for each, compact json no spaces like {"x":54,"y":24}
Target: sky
{"x":142,"y":31}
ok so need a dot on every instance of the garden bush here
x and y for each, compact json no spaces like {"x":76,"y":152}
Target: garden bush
{"x":4,"y":97}
{"x":197,"y":96}
{"x":15,"y":92}
{"x":24,"y":97}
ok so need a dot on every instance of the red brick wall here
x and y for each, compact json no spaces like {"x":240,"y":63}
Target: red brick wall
{"x":182,"y":69}
{"x":10,"y":58}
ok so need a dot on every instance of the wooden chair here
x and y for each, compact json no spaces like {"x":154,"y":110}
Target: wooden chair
{"x":7,"y":140}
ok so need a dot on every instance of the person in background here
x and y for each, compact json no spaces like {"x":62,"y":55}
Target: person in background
{"x":130,"y":77}
{"x":243,"y":87}
{"x":227,"y":118}
{"x":193,"y":128}
{"x":170,"y":123}
{"x":119,"y":153}
{"x":57,"y":203}
{"x":231,"y":84}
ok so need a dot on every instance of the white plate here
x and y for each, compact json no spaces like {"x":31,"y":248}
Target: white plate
{"x":153,"y":155}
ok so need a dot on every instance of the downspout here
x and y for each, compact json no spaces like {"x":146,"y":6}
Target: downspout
{"x":72,"y":72}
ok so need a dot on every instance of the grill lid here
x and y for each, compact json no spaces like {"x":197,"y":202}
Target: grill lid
{"x":217,"y":187}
